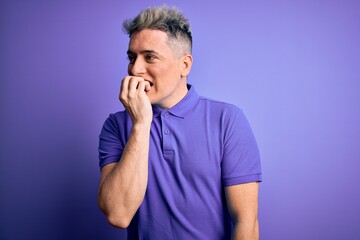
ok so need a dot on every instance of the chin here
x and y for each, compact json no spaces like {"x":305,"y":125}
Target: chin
{"x":152,"y":100}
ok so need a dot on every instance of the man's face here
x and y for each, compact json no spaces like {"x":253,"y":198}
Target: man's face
{"x":151,"y":58}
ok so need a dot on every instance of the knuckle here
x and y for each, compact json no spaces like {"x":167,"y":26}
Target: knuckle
{"x":131,"y":96}
{"x":124,"y":80}
{"x":122,"y":96}
{"x":133,"y":79}
{"x":141,"y":84}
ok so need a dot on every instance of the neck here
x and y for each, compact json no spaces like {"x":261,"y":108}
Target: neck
{"x":176,"y":97}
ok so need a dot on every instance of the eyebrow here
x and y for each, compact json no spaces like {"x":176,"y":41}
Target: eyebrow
{"x":142,"y":52}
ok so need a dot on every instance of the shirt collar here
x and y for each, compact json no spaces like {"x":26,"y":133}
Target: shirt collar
{"x":181,"y":108}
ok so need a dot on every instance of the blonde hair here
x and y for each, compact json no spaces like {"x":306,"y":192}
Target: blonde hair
{"x":166,"y":19}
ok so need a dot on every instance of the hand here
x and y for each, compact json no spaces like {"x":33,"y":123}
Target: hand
{"x":136,"y":102}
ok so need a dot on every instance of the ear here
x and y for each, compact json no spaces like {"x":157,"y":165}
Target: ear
{"x":185,"y":65}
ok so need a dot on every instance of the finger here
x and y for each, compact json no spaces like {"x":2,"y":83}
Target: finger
{"x":124,"y":86}
{"x":133,"y":84}
{"x":147,"y":86}
{"x":125,"y":83}
{"x":144,"y":86}
{"x":141,"y":86}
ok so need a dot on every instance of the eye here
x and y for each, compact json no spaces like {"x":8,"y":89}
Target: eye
{"x":150,"y":58}
{"x":131,"y":58}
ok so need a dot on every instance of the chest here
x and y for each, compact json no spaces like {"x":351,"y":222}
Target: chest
{"x":191,"y":147}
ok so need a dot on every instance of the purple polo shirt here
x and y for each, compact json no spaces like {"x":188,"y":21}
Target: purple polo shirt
{"x":197,"y":148}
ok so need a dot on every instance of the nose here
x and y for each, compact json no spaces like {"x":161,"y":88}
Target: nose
{"x":137,"y":68}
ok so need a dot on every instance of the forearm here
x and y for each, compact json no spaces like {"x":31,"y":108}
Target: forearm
{"x":246,"y":230}
{"x":242,"y":202}
{"x":122,"y":191}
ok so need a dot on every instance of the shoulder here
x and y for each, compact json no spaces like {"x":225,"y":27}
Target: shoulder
{"x":115,"y":120}
{"x":220,"y":108}
{"x":218,"y":104}
{"x":119,"y":116}
{"x":229,"y":116}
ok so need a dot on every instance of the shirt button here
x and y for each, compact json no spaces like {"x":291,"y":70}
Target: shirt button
{"x":166,"y":114}
{"x":166,"y":131}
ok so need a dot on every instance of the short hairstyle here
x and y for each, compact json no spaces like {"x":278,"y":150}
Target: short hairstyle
{"x":166,"y":19}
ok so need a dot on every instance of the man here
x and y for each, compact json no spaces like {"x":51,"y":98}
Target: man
{"x":175,"y":165}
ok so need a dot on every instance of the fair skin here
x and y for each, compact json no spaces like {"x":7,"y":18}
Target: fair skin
{"x":242,"y":200}
{"x":157,"y":75}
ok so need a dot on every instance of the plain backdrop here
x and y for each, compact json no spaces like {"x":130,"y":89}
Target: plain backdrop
{"x":292,"y":66}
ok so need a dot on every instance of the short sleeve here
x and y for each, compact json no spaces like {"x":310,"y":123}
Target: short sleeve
{"x":241,"y":157}
{"x":110,"y":144}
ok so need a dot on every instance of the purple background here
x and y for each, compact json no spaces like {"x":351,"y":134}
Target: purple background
{"x":293,"y":66}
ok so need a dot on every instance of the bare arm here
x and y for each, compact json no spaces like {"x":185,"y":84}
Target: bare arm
{"x":123,"y":184}
{"x":242,"y":202}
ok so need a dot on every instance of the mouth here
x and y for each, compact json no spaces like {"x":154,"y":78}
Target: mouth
{"x":151,"y":84}
{"x":148,"y":87}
